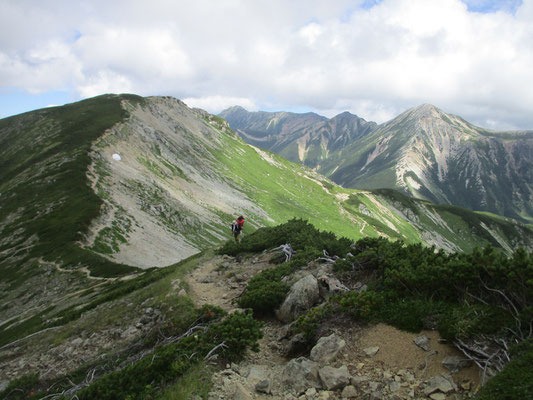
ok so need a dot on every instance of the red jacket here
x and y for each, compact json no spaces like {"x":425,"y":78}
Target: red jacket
{"x":239,"y":222}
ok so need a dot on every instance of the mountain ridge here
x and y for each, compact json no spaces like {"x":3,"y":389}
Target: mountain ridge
{"x":432,"y":155}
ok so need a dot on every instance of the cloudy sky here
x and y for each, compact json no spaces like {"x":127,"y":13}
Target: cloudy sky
{"x":374,"y":58}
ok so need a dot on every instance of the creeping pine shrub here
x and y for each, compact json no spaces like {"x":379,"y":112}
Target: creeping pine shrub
{"x":299,"y":233}
{"x":515,"y":382}
{"x":265,"y":292}
{"x":21,"y":388}
{"x":309,"y":322}
{"x":237,"y":332}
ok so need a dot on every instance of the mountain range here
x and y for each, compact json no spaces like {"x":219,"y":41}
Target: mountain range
{"x":424,"y":152}
{"x":105,"y":205}
{"x":112,"y":185}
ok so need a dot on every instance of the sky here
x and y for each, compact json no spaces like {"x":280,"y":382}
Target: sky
{"x":373,"y":58}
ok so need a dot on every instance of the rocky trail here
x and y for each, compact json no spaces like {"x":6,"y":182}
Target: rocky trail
{"x":348,"y":362}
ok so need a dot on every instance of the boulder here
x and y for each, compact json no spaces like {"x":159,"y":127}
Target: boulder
{"x":349,"y":392}
{"x":264,"y":386}
{"x":422,"y":342}
{"x":241,"y":393}
{"x":130,"y":332}
{"x":300,"y":374}
{"x":371,"y":351}
{"x":455,"y":363}
{"x":327,"y":348}
{"x":303,"y":295}
{"x":358,"y":380}
{"x":258,"y":373}
{"x":395,"y":386}
{"x":334,"y":378}
{"x":440,"y":383}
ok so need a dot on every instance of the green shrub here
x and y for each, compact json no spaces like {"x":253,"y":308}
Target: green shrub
{"x":515,"y":382}
{"x":360,"y":305}
{"x":264,"y":297}
{"x":309,"y":322}
{"x":299,"y":233}
{"x":21,"y":388}
{"x":464,"y":321}
{"x":238,"y":332}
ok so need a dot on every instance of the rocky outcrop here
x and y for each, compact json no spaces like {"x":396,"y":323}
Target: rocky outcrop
{"x":303,"y":295}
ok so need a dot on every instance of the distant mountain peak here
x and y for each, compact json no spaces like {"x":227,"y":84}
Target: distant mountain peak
{"x":234,"y":109}
{"x":425,"y":109}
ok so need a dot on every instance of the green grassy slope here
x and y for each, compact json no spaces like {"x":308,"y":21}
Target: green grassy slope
{"x":46,"y":198}
{"x":47,"y":202}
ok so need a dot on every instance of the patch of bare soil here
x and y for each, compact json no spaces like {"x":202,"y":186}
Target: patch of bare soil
{"x":220,"y":280}
{"x":397,"y":349}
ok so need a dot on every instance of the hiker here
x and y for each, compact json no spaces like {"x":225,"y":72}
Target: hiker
{"x":236,"y":228}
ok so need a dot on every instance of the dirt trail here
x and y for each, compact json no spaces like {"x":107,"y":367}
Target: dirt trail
{"x":220,"y":280}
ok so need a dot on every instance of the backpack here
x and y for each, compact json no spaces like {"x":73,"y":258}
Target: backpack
{"x":234,"y":227}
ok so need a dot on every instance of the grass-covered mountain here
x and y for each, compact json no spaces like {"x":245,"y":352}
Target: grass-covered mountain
{"x":102,"y":187}
{"x":96,"y":193}
{"x":427,"y":154}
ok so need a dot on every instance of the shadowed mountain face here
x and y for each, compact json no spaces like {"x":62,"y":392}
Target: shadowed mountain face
{"x":307,"y":138}
{"x":423,"y":152}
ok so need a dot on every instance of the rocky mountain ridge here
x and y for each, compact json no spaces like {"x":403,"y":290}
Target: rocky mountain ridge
{"x":428,"y":154}
{"x":97,"y":193}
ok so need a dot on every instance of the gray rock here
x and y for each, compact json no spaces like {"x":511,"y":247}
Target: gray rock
{"x":296,"y":344}
{"x":358,"y":380}
{"x":327,"y":348}
{"x":257,"y":374}
{"x":241,"y":393}
{"x":300,"y":374}
{"x":437,"y":396}
{"x":149,"y":311}
{"x":349,"y":392}
{"x":371,"y":351}
{"x":395,"y":386}
{"x":303,"y":295}
{"x":422,"y":342}
{"x":375,"y":386}
{"x":441,"y":383}
{"x":77,"y":342}
{"x":334,"y":378}
{"x":264,"y":386}
{"x":330,"y":285}
{"x":455,"y":363}
{"x":128,"y":333}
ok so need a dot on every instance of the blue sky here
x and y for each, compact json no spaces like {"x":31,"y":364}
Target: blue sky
{"x":374,"y":58}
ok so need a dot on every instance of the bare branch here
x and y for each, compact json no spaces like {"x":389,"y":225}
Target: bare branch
{"x":218,"y":346}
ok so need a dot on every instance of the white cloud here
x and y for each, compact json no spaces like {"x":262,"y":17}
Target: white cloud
{"x":323,"y":56}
